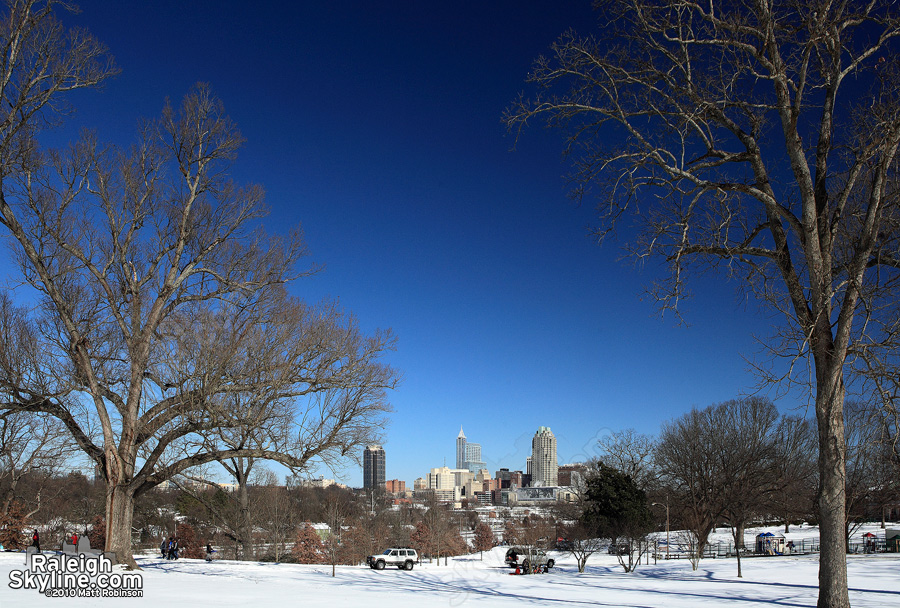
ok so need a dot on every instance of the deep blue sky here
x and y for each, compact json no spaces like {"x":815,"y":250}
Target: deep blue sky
{"x":377,"y":125}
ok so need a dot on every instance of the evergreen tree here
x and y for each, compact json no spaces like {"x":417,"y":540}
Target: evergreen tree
{"x":615,"y":508}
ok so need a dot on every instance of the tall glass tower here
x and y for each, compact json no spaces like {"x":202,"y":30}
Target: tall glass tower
{"x":461,"y":450}
{"x":468,"y":455}
{"x":373,"y":467}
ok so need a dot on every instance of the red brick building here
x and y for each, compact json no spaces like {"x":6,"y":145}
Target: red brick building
{"x":395,"y":486}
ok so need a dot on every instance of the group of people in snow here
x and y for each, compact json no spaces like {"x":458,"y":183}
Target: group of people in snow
{"x":169,"y":549}
{"x":36,"y":540}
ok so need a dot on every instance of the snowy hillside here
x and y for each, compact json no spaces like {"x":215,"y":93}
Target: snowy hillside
{"x":469,"y":581}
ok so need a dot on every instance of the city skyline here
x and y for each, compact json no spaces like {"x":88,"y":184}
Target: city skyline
{"x":546,"y":445}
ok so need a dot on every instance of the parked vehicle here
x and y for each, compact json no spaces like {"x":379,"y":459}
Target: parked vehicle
{"x":402,"y":557}
{"x":619,"y":549}
{"x":527,"y":557}
{"x":563,"y":544}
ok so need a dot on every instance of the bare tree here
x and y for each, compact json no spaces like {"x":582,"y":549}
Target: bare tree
{"x":689,"y":467}
{"x":631,"y":453}
{"x":731,"y":128}
{"x":583,"y":543}
{"x":278,"y":516}
{"x":336,"y":513}
{"x":484,"y":538}
{"x":870,"y":473}
{"x":794,"y":471}
{"x":747,"y":454}
{"x":436,"y":534}
{"x":165,"y":321}
{"x":30,"y":445}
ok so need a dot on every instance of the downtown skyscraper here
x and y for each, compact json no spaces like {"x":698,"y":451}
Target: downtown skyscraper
{"x":468,"y":455}
{"x":374,"y":467}
{"x":544,"y":468}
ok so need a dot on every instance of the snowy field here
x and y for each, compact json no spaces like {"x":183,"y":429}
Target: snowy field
{"x":469,"y":581}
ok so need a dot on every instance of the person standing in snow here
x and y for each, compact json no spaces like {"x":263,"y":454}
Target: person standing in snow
{"x":36,"y":541}
{"x":209,"y":552}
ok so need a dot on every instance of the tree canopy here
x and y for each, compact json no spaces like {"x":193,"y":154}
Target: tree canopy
{"x":758,"y":139}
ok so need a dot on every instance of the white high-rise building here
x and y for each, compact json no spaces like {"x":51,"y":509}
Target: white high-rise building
{"x":545,"y":471}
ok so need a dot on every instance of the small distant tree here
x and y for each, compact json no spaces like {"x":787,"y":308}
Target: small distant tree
{"x":278,"y":514}
{"x":188,"y":543}
{"x":356,"y":545}
{"x":869,"y":469}
{"x":746,"y":455}
{"x":97,"y":532}
{"x":484,"y":538}
{"x":455,"y":544}
{"x":511,"y":531}
{"x":688,"y":539}
{"x":583,"y":543}
{"x":439,"y":529}
{"x":421,"y":538}
{"x":335,"y":514}
{"x":308,"y":547}
{"x":12,"y":527}
{"x":615,"y":508}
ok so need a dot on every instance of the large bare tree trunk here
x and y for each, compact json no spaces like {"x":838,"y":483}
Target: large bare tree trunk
{"x":245,"y":523}
{"x":119,"y":513}
{"x":831,"y":500}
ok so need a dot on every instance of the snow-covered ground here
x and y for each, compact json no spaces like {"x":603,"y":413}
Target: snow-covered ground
{"x":469,"y":581}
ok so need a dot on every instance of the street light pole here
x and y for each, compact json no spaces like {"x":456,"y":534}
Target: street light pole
{"x":658,"y":504}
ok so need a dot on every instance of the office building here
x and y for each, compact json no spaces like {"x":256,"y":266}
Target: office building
{"x":544,"y":469}
{"x":373,"y":467}
{"x":468,"y":455}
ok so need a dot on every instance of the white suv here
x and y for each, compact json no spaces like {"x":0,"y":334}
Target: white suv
{"x":402,"y":557}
